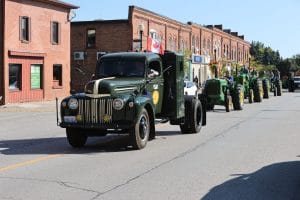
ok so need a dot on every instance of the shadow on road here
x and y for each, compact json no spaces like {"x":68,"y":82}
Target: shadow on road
{"x":110,"y":143}
{"x":280,"y":181}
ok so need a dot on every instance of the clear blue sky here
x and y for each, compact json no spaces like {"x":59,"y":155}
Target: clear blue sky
{"x":276,"y":23}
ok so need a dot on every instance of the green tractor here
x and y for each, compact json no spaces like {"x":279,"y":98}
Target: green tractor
{"x":252,"y":84}
{"x":276,"y":84}
{"x":225,"y":93}
{"x":256,"y":85}
{"x":243,"y":79}
{"x":265,"y":84}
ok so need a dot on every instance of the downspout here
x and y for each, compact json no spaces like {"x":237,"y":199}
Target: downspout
{"x":2,"y":99}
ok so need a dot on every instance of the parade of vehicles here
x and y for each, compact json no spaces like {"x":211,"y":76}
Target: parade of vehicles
{"x":129,"y":94}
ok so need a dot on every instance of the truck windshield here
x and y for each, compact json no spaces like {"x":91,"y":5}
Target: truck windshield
{"x":120,"y":68}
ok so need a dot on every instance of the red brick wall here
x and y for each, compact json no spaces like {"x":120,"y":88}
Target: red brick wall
{"x":111,"y":36}
{"x":41,"y":15}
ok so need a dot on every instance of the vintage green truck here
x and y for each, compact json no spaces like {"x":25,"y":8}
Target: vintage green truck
{"x":130,"y":93}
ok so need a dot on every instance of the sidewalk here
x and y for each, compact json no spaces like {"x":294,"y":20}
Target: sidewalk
{"x":41,"y":106}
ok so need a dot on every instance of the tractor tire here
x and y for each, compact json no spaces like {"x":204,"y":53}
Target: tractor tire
{"x":75,"y":137}
{"x":228,"y":102}
{"x":238,"y":98}
{"x":275,"y":91}
{"x":265,"y":88}
{"x":257,"y":92}
{"x":139,"y":134}
{"x":193,"y":117}
{"x":279,"y":88}
{"x":251,"y":96}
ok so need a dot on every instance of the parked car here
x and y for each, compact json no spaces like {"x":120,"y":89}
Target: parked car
{"x":190,"y":88}
{"x":297,"y":81}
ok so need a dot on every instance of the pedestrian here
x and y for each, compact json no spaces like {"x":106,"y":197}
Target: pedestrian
{"x":196,"y":81}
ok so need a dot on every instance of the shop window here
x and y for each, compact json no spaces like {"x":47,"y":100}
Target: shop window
{"x":15,"y":76}
{"x":55,"y":32}
{"x":24,"y":29}
{"x":36,"y":77}
{"x":57,"y":76}
{"x":91,"y":38}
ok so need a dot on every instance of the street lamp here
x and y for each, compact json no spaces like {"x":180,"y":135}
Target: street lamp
{"x":141,"y":30}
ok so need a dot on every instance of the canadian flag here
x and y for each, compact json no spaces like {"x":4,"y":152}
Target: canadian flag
{"x":155,"y":46}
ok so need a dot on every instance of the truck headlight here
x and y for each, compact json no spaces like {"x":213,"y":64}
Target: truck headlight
{"x":118,"y":104}
{"x":73,"y":104}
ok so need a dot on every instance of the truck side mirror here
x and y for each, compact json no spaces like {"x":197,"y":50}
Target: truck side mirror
{"x":72,"y":92}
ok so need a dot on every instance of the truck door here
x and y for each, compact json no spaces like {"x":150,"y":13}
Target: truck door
{"x":155,"y":84}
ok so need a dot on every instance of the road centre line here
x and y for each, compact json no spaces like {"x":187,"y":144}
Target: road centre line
{"x":29,"y":162}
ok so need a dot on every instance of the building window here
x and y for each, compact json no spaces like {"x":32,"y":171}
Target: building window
{"x":208,"y":46}
{"x":36,"y":76}
{"x":91,"y":38}
{"x":154,"y":34}
{"x":57,"y":75}
{"x":15,"y":76}
{"x":55,"y":32}
{"x":175,"y":44}
{"x":24,"y":29}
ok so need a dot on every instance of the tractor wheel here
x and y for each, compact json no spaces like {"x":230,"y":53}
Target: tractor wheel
{"x":265,"y":88}
{"x":275,"y":90}
{"x":238,"y":101}
{"x":279,"y":88}
{"x":139,"y":134}
{"x":193,"y":117}
{"x":251,"y":96}
{"x":75,"y":137}
{"x":257,"y":92}
{"x":228,"y":102}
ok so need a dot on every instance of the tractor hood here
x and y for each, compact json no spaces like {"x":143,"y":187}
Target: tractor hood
{"x":113,"y":86}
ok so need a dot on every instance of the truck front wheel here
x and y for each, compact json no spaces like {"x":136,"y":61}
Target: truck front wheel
{"x":75,"y":137}
{"x":139,"y":134}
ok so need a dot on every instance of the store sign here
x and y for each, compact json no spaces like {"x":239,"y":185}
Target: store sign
{"x":197,"y":59}
{"x":35,"y":78}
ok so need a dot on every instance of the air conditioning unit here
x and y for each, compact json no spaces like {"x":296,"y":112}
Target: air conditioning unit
{"x":78,"y":55}
{"x":100,"y":54}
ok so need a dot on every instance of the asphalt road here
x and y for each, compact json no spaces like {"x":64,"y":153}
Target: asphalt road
{"x":249,"y":154}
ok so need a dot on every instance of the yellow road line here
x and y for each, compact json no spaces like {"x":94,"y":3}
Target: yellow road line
{"x":29,"y":162}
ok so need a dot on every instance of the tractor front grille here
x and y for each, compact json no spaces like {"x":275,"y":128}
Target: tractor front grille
{"x":95,"y":111}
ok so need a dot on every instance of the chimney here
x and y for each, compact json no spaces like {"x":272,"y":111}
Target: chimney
{"x":234,"y":34}
{"x":209,"y":26}
{"x":227,"y":31}
{"x":241,"y":36}
{"x":219,"y":26}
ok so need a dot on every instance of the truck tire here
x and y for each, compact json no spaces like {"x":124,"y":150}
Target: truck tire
{"x":265,"y":88}
{"x":75,"y":137}
{"x":238,"y":100}
{"x":193,"y":117}
{"x":139,"y":134}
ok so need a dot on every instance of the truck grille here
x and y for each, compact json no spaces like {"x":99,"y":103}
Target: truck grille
{"x":96,"y":111}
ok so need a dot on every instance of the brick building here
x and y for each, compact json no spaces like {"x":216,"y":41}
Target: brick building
{"x":89,"y":39}
{"x":35,"y":50}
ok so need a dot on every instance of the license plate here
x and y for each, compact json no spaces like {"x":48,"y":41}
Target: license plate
{"x":70,"y":119}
